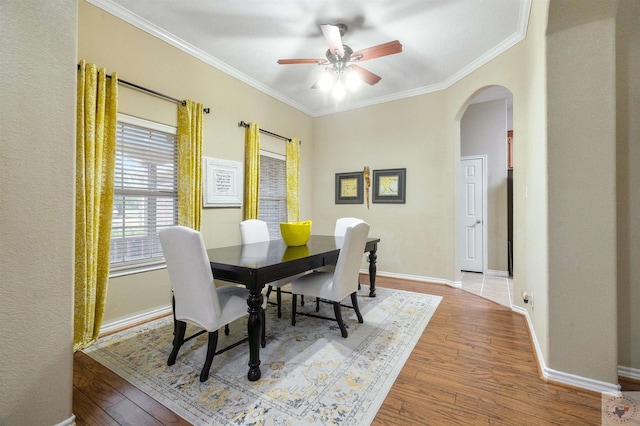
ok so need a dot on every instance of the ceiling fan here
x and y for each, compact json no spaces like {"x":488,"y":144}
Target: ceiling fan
{"x":341,"y":61}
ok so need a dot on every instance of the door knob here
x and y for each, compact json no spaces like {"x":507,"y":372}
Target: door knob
{"x":478,"y":221}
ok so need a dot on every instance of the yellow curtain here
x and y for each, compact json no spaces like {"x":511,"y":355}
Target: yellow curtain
{"x":190,"y":164}
{"x":293,"y":180}
{"x":96,"y":118}
{"x":251,"y":171}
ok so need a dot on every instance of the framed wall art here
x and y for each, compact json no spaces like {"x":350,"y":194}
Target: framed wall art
{"x":389,"y":186}
{"x":349,"y":188}
{"x":222,"y":183}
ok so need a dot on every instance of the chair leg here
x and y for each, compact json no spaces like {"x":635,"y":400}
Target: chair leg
{"x":263,"y":343}
{"x":336,"y":309}
{"x":211,"y":351}
{"x":226,"y":330}
{"x":173,"y":311}
{"x":269,"y":289}
{"x":279,"y":301}
{"x":317,"y":304}
{"x":354,"y":303}
{"x":178,"y":339}
{"x":293,"y":309}
{"x":301,"y":300}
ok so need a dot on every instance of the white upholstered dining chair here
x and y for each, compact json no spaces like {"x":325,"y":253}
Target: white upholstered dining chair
{"x":340,"y":229}
{"x":196,"y":300}
{"x":342,"y":282}
{"x":341,"y":225}
{"x":257,"y":231}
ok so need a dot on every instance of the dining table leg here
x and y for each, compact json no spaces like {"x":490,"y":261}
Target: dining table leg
{"x":254,"y":326}
{"x":372,"y":270}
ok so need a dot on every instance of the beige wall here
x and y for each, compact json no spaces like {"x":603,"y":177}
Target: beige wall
{"x":37,"y":157}
{"x":582,"y":190}
{"x":628,"y":166}
{"x":145,"y":60}
{"x":416,"y":236}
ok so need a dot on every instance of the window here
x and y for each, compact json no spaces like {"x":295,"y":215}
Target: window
{"x":145,"y":193}
{"x":273,"y":192}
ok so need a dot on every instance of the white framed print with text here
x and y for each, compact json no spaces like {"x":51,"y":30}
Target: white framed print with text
{"x":222,"y":183}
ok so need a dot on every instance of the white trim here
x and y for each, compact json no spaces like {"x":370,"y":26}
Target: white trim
{"x":160,"y":33}
{"x":153,"y":125}
{"x":560,"y":376}
{"x":431,"y":280}
{"x":581,"y":382}
{"x":273,"y":155}
{"x":629,"y":372}
{"x":68,"y":422}
{"x":121,"y":271}
{"x":497,"y":273}
{"x":134,"y":319}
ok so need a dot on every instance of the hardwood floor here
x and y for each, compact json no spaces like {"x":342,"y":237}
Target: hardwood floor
{"x":474,"y":364}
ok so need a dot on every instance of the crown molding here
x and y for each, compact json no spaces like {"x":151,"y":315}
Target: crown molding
{"x":160,"y":33}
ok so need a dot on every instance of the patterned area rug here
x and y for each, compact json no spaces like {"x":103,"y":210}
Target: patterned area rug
{"x":310,"y":374}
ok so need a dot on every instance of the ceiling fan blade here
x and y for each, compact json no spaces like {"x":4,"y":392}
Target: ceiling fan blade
{"x":302,"y":61}
{"x":365,"y":75}
{"x":334,"y":40}
{"x":384,"y":49}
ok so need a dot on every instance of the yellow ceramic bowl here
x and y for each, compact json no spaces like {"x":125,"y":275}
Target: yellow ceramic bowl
{"x":295,"y":233}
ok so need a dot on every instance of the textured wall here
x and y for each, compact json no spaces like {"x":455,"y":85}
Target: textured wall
{"x":628,"y":196}
{"x":581,"y":154}
{"x":37,"y":157}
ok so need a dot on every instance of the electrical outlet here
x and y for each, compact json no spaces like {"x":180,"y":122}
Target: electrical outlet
{"x":527,"y":298}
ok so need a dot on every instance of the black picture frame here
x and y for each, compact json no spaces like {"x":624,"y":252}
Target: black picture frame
{"x":389,"y":186}
{"x":349,"y":188}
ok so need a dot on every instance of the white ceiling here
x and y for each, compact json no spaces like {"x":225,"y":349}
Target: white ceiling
{"x":443,"y":41}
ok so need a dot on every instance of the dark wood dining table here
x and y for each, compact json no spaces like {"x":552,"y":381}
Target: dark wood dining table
{"x":256,"y":265}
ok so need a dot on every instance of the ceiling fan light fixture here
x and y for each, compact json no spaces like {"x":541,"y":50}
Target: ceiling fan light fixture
{"x":341,"y":73}
{"x":352,"y":80}
{"x":339,"y":90}
{"x":326,"y":81}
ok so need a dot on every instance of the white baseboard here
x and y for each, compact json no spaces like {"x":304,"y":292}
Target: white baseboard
{"x":560,"y":376}
{"x":628,"y":372}
{"x":456,"y":284}
{"x":135,"y":319}
{"x":68,"y":422}
{"x":497,"y":273}
{"x":580,"y":382}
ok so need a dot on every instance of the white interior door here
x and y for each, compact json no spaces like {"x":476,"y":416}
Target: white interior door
{"x":472,"y":214}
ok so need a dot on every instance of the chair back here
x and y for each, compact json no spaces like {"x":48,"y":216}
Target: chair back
{"x":254,"y":231}
{"x":194,"y":291}
{"x":345,"y":278}
{"x":342,"y":223}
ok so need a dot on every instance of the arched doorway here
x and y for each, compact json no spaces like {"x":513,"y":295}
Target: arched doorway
{"x":485,"y":209}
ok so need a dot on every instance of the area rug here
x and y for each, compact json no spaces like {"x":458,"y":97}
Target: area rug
{"x":310,"y":374}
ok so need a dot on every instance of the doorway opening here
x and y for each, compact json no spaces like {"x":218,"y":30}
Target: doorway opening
{"x":485,"y":206}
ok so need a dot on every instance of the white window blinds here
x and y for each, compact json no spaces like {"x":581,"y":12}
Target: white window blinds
{"x":273,"y":192}
{"x":145,"y":191}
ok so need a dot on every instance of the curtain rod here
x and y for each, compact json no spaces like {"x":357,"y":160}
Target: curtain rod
{"x":245,"y":125}
{"x":152,"y":92}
